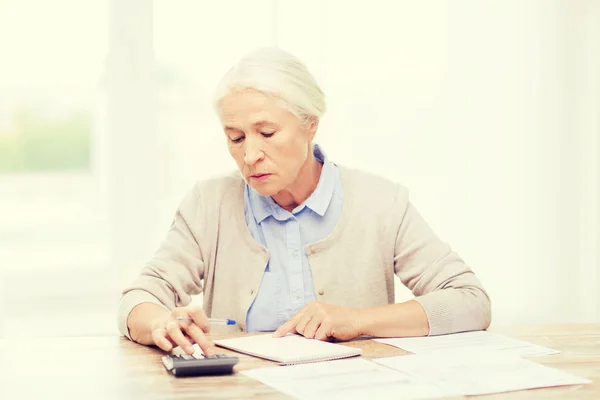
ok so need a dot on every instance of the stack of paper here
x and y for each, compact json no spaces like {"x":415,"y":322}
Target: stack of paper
{"x":345,"y":379}
{"x":424,"y":376}
{"x":478,"y":340}
{"x":481,"y":372}
{"x":464,"y":364}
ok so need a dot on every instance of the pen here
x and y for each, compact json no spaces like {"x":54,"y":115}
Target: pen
{"x":213,"y":321}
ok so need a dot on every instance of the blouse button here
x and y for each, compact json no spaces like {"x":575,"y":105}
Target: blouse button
{"x":321,"y":292}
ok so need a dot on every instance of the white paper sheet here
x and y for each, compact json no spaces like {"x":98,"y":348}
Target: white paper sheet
{"x":345,"y":379}
{"x":291,"y":349}
{"x":480,"y":340}
{"x":481,"y":372}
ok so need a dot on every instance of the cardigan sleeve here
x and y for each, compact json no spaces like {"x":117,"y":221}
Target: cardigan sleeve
{"x":176,"y":270}
{"x":447,"y":289}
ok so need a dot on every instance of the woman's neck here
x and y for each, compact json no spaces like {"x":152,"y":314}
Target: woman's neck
{"x":303,"y":186}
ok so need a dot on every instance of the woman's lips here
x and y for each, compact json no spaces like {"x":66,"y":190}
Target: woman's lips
{"x":259,"y":177}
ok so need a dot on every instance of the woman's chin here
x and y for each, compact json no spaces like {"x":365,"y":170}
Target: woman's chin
{"x":264,"y":189}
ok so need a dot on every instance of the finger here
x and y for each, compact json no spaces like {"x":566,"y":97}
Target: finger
{"x":303,"y":323}
{"x":160,"y":339}
{"x":289,"y":326}
{"x":174,"y":332}
{"x":312,"y":326}
{"x":183,"y":324}
{"x":324,"y":331}
{"x":207,"y":346}
{"x":200,"y":319}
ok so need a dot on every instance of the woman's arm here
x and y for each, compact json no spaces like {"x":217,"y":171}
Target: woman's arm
{"x":169,"y":278}
{"x":449,"y":298}
{"x":448,"y":291}
{"x":394,"y":320}
{"x":321,"y":321}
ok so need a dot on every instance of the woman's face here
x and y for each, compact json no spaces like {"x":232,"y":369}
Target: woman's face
{"x":268,"y":142}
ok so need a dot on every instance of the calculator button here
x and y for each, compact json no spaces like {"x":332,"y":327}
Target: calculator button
{"x":221,"y":355}
{"x":198,"y":356}
{"x":187,"y":357}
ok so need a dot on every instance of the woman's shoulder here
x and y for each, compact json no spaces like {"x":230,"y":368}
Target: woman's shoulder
{"x":372,"y":187}
{"x":220,"y":183}
{"x":216,"y":189}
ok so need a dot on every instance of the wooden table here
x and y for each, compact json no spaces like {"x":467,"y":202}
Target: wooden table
{"x":115,"y":368}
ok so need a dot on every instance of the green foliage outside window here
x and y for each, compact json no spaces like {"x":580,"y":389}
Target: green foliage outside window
{"x":37,"y":142}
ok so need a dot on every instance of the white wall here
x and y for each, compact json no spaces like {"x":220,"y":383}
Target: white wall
{"x":486,"y":111}
{"x":584,"y":20}
{"x":2,"y":306}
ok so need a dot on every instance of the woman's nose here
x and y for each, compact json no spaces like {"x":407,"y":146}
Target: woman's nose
{"x":253,"y":152}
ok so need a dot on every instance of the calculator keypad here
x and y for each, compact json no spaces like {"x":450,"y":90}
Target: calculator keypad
{"x":197,"y":364}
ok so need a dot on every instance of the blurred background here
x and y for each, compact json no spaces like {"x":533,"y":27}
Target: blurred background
{"x":487,"y":111}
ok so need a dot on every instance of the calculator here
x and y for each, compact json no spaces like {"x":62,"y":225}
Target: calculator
{"x":199,"y":365}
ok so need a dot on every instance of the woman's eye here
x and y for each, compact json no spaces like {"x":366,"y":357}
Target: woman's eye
{"x":267,"y":134}
{"x":237,"y":140}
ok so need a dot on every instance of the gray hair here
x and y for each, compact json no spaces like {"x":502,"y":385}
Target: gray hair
{"x":278,"y":73}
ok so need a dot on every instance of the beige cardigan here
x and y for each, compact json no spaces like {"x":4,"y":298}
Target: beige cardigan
{"x":209,"y":248}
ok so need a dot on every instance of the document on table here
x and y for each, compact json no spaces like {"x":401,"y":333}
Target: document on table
{"x":480,"y":340}
{"x":291,"y":349}
{"x":345,"y":379}
{"x":471,"y":373}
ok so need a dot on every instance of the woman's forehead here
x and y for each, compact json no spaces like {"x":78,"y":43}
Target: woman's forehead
{"x":248,"y":116}
{"x":251,"y":107}
{"x":248,"y":99}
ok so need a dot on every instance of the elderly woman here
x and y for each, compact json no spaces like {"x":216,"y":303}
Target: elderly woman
{"x":293,"y":242}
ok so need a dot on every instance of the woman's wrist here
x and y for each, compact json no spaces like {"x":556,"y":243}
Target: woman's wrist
{"x":393,"y":320}
{"x":363,"y":319}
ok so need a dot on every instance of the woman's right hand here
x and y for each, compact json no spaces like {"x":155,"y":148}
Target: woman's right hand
{"x":170,"y":332}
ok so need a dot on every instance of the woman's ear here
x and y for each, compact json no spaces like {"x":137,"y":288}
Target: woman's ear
{"x":312,"y":123}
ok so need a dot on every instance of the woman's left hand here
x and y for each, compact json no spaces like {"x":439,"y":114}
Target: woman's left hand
{"x":322,"y":321}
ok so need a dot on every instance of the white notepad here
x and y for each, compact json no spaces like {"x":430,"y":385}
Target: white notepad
{"x":291,"y":349}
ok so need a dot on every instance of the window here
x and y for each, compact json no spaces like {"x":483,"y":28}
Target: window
{"x":54,"y":233}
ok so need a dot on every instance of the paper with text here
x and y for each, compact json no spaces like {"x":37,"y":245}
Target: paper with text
{"x":471,"y":373}
{"x":481,"y":340}
{"x":355,"y":378}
